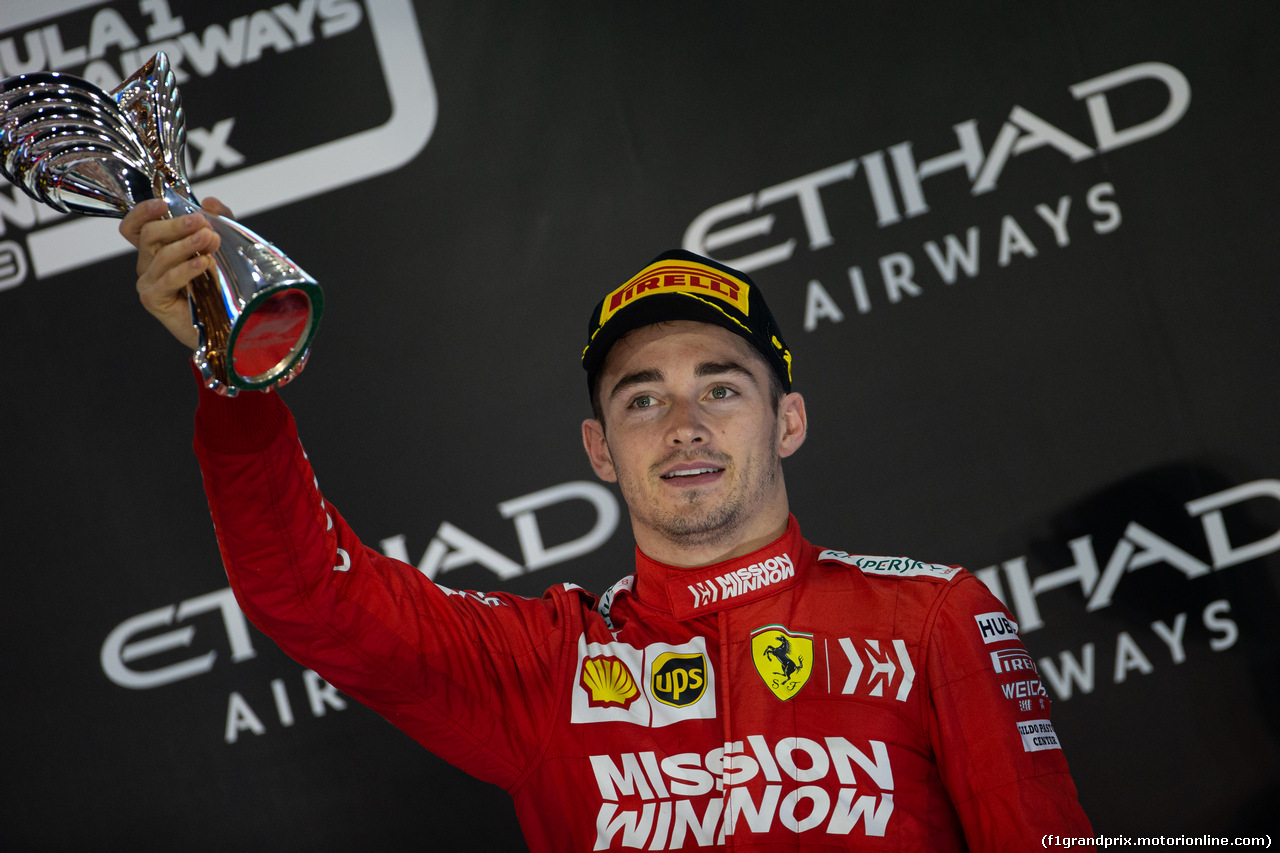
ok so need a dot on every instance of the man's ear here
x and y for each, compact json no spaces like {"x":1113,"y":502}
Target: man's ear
{"x":793,"y":424}
{"x":598,"y":450}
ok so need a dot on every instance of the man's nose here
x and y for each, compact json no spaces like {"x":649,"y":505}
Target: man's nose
{"x":686,"y":425}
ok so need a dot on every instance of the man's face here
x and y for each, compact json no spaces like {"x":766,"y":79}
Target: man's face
{"x":694,"y":441}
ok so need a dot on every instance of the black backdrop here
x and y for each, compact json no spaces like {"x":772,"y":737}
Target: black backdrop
{"x":1025,"y":257}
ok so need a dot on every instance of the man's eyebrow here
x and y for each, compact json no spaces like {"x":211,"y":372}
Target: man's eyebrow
{"x":637,"y":378}
{"x":704,"y":369}
{"x":718,"y":368}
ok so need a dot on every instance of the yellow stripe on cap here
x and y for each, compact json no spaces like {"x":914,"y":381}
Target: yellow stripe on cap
{"x":786,"y":355}
{"x":679,"y":277}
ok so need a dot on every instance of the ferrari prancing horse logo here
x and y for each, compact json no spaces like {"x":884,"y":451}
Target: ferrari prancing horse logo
{"x":784,"y":659}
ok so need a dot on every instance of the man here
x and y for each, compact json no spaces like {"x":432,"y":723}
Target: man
{"x":742,"y":689}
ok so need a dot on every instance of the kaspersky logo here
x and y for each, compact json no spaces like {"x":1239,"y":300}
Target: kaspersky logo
{"x":783,"y":658}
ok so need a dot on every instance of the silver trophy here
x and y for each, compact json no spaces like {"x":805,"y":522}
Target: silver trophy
{"x":77,"y":148}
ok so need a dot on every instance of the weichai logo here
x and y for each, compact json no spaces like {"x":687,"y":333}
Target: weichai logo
{"x":679,"y":680}
{"x":608,"y":683}
{"x":678,"y":277}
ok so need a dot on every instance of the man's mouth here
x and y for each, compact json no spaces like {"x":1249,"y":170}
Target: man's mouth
{"x":690,"y":472}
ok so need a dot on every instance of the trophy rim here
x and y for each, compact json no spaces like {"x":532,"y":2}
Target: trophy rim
{"x":279,"y":373}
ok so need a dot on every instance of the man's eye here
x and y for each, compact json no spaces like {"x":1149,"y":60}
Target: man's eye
{"x":644,"y":401}
{"x":720,"y":392}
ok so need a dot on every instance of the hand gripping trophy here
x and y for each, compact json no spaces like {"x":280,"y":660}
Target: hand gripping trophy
{"x":77,"y":148}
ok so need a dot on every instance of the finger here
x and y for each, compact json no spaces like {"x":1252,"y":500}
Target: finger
{"x":164,"y":288}
{"x":171,"y":255}
{"x":213,"y":205}
{"x":158,"y":234}
{"x":137,"y":218}
{"x":166,"y":298}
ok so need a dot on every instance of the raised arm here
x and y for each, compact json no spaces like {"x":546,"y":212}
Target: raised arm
{"x":472,"y":677}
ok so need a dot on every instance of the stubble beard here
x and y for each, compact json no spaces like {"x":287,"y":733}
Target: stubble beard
{"x":699,"y":520}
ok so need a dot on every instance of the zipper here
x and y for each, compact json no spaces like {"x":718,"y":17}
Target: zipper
{"x":722,"y":624}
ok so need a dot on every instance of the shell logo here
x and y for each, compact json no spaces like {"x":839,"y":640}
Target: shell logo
{"x":608,"y":682}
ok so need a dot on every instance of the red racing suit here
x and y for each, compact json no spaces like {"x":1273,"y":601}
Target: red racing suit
{"x":793,"y":698}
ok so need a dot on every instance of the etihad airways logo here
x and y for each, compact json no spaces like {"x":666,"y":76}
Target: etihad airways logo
{"x":746,"y":579}
{"x":746,"y":224}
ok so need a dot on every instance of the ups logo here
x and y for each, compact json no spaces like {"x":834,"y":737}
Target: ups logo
{"x":679,"y":680}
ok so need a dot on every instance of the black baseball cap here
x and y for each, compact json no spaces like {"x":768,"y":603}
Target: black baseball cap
{"x":679,"y":285}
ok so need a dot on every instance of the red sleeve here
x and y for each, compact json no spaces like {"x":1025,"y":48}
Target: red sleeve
{"x":474,"y":678}
{"x":997,"y":752}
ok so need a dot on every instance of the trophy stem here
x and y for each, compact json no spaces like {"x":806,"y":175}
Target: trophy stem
{"x":211,"y":314}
